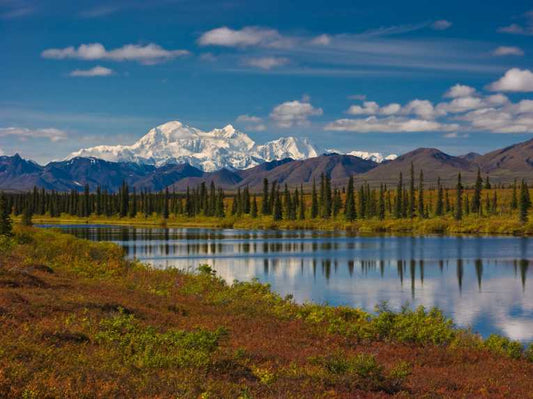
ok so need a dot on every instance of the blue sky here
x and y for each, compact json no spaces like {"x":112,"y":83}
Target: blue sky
{"x":381,"y":76}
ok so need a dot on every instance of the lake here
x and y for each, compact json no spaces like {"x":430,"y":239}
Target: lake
{"x":481,"y":282}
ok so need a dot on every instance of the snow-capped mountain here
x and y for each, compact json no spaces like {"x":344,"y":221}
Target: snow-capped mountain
{"x":377,"y":157}
{"x":373,"y":156}
{"x":174,"y":142}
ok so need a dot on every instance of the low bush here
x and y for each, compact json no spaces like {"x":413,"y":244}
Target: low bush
{"x":144,"y":347}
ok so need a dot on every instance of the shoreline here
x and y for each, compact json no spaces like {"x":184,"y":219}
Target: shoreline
{"x":444,"y":226}
{"x":82,"y":320}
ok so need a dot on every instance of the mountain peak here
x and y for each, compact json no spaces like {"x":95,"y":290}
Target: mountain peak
{"x":175,"y":142}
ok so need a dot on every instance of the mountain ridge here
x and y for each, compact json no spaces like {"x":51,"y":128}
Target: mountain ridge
{"x":502,"y":165}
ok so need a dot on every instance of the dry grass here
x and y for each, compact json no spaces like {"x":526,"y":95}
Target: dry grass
{"x":78,"y":320}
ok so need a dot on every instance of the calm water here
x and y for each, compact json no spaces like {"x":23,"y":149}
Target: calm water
{"x":481,"y":282}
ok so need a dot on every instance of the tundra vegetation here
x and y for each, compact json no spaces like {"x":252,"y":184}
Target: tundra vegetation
{"x":412,"y":206}
{"x":79,"y":320}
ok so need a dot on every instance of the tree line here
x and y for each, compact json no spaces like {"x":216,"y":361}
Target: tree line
{"x":404,"y":201}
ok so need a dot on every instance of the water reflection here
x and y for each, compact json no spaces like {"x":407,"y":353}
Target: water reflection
{"x":480,"y":281}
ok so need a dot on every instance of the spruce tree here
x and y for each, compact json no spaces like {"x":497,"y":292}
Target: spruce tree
{"x":421,"y":206}
{"x":349,"y":206}
{"x":220,"y":211}
{"x":277,"y":211}
{"x":514,"y":198}
{"x":412,"y":193}
{"x":524,"y":202}
{"x":27,"y":214}
{"x":253,"y":211}
{"x":381,"y":203}
{"x":459,"y":199}
{"x":487,"y":183}
{"x":314,"y":202}
{"x":265,"y":203}
{"x":5,"y":218}
{"x":133,"y":207}
{"x":476,"y":199}
{"x":399,"y":197}
{"x":301,"y":205}
{"x":165,"y":211}
{"x":439,"y":210}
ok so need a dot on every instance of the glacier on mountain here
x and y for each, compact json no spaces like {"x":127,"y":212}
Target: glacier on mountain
{"x":377,"y":157}
{"x":174,"y":142}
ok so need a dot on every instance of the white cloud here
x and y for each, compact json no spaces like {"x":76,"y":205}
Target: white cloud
{"x":96,"y":71}
{"x":422,"y":108}
{"x":514,"y":29}
{"x":368,"y":108}
{"x":321,"y":40}
{"x":390,"y":109}
{"x":441,"y":24}
{"x":25,"y":133}
{"x":147,"y":54}
{"x":294,"y":113}
{"x":249,"y":118}
{"x":517,"y":29}
{"x":1,"y":152}
{"x":467,"y":110}
{"x":507,"y":50}
{"x":518,"y":80}
{"x":246,"y":37}
{"x":461,"y":104}
{"x":267,"y":62}
{"x":455,"y":135}
{"x":497,"y":99}
{"x":391,"y":124}
{"x":459,"y":90}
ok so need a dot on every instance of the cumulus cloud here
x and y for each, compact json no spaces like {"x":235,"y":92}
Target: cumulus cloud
{"x":515,"y":79}
{"x":266,"y":62}
{"x":466,"y":110}
{"x":246,"y":37}
{"x":423,"y":109}
{"x":441,"y":24}
{"x":391,"y":124}
{"x":294,"y":113}
{"x":147,"y":54}
{"x":96,"y":71}
{"x":507,"y":50}
{"x":368,"y":108}
{"x":461,"y":104}
{"x":460,"y":91}
{"x":25,"y":133}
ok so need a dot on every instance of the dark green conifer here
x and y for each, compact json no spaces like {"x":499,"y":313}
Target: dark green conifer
{"x":459,"y":199}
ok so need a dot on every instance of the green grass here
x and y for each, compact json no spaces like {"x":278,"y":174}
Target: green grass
{"x":500,"y":225}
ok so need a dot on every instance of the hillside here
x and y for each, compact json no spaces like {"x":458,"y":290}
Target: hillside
{"x":503,"y":166}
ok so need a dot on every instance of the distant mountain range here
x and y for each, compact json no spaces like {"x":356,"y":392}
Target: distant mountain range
{"x":176,"y":143}
{"x":503,"y":166}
